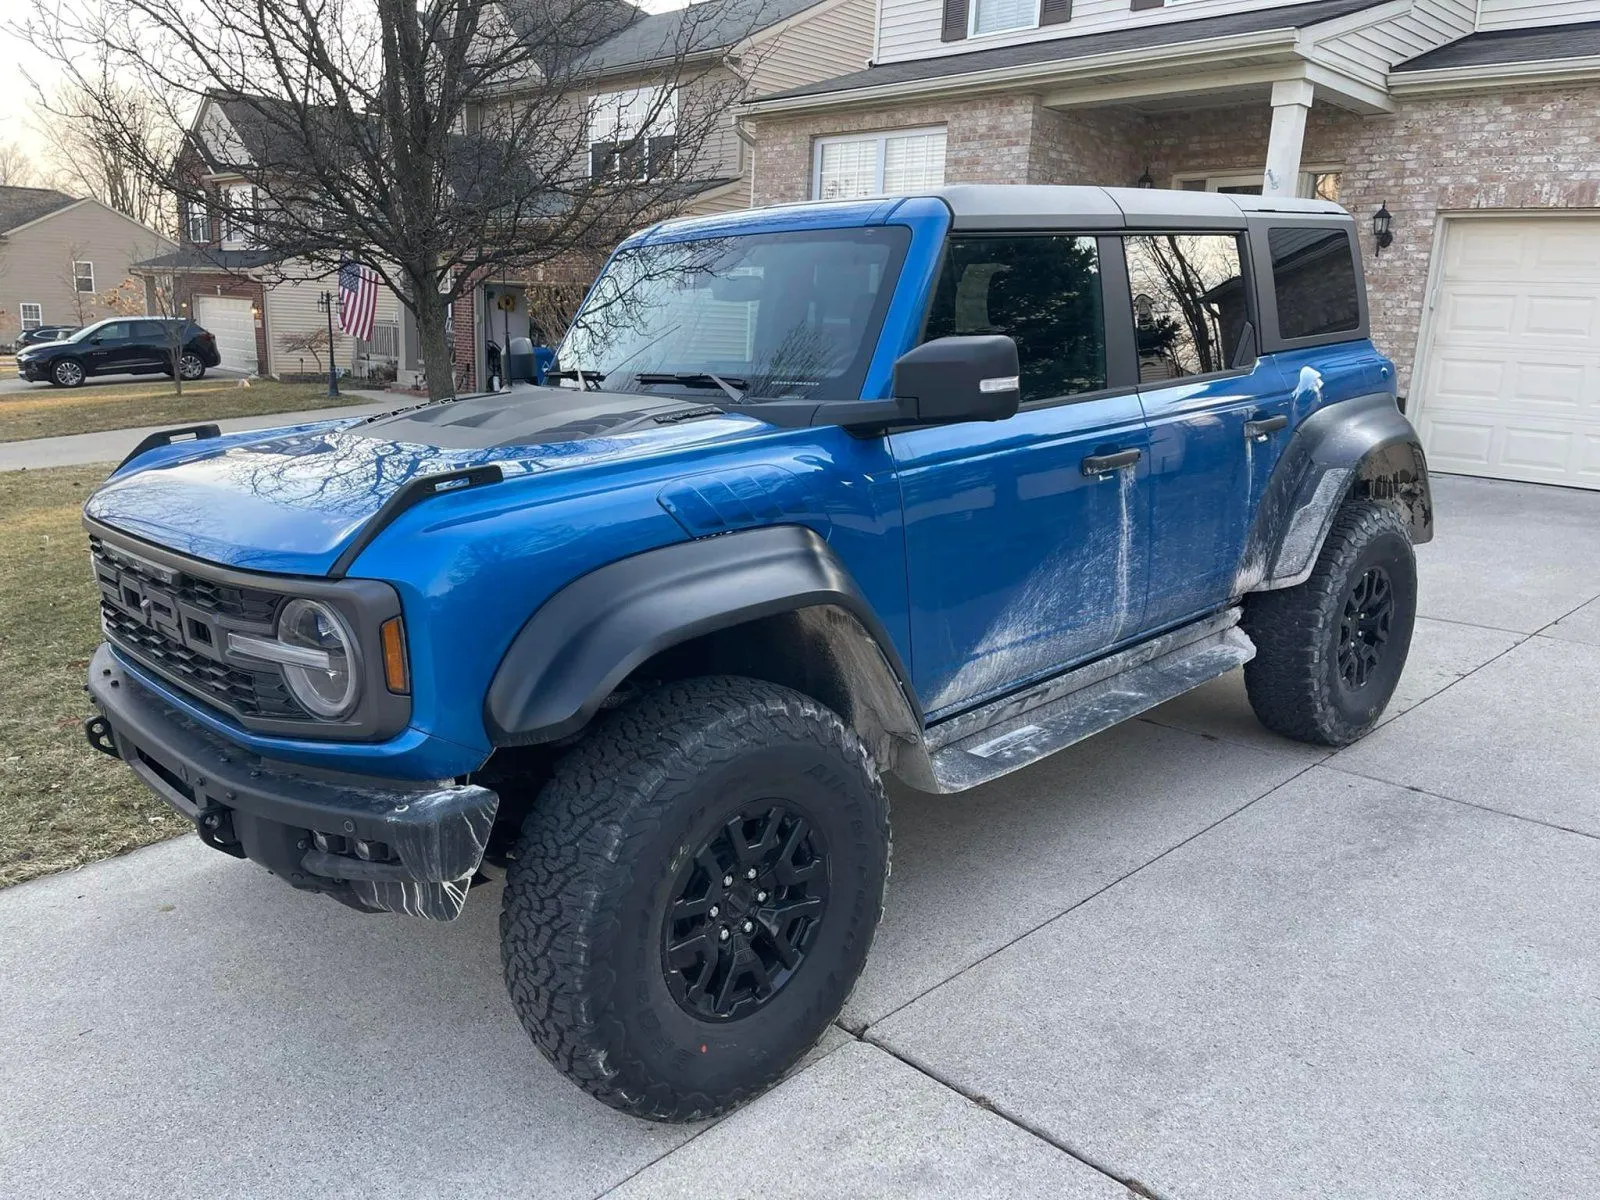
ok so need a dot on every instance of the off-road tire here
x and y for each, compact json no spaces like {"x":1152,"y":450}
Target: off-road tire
{"x":1295,"y":682}
{"x":603,"y":854}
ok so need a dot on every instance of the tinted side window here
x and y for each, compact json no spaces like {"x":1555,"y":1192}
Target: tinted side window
{"x":1189,"y":308}
{"x":113,"y":331}
{"x":149,"y":331}
{"x":1042,"y":291}
{"x":1314,"y":276}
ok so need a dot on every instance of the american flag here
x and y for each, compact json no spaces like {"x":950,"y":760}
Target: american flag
{"x":358,"y":300}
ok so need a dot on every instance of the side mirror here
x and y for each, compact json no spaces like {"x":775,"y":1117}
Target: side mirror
{"x":955,"y":379}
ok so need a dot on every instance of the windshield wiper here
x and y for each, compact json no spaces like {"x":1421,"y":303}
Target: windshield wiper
{"x":584,"y":378}
{"x":731,"y":386}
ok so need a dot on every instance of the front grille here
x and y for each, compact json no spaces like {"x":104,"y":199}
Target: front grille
{"x":175,"y":624}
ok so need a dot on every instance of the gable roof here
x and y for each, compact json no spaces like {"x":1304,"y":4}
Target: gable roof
{"x":1546,"y":44}
{"x":702,"y":28}
{"x":20,"y":205}
{"x":1065,"y":49}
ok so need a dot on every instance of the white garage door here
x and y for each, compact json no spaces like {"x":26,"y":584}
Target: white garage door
{"x":1510,"y":386}
{"x":233,"y":324}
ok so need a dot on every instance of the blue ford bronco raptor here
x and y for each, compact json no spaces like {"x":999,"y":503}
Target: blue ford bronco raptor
{"x":926,"y":487}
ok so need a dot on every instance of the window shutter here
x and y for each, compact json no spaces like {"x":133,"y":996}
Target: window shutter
{"x":955,"y":21}
{"x":1055,"y":12}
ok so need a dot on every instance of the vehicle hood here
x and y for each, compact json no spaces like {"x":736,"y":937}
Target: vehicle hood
{"x":40,"y":349}
{"x":289,"y":501}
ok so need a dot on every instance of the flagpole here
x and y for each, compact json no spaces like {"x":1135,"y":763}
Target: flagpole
{"x":326,"y":303}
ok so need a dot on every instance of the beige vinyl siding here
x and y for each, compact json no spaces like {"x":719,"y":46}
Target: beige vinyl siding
{"x":833,"y":39}
{"x":36,"y":263}
{"x":292,"y":308}
{"x":1367,"y":45}
{"x":1518,"y":14}
{"x":910,"y":28}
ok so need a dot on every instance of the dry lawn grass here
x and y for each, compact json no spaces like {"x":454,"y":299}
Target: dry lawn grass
{"x":45,"y":411}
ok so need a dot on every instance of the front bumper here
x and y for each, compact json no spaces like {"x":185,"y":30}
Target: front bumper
{"x":33,"y":372}
{"x":376,"y":844}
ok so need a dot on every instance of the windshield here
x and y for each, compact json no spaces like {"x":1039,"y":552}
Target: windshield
{"x":768,"y":315}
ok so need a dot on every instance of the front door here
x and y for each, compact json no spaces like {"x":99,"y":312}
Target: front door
{"x":1217,"y":415}
{"x":109,"y":349}
{"x":1025,"y":538}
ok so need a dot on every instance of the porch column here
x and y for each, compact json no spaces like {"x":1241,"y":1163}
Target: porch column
{"x":1291,"y":101}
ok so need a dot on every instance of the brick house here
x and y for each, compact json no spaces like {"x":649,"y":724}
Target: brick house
{"x":719,"y":50}
{"x":1473,"y":123}
{"x":257,"y":303}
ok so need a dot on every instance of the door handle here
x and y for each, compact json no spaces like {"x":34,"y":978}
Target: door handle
{"x":1104,"y":464}
{"x":1258,"y":430}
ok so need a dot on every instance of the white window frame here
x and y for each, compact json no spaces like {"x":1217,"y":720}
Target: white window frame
{"x":1213,"y":181}
{"x":38,"y":314}
{"x":972,"y":21}
{"x":881,"y":137}
{"x":237,"y":230}
{"x":612,"y":106}
{"x":79,"y":275}
{"x":198,"y":218}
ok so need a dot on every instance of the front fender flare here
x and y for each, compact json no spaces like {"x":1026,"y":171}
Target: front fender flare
{"x":587,"y":638}
{"x":1362,"y":447}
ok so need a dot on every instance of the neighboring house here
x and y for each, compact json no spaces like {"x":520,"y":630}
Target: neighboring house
{"x":260,"y":305}
{"x":61,"y":256}
{"x":747,"y":48}
{"x":1473,"y":123}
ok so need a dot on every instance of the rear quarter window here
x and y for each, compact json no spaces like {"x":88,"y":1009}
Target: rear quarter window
{"x":1314,"y":279}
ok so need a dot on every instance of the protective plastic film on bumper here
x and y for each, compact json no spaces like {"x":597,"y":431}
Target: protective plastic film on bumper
{"x":377,"y":843}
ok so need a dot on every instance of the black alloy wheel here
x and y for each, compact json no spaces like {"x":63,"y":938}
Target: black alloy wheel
{"x":1364,"y":628}
{"x":744,"y":912}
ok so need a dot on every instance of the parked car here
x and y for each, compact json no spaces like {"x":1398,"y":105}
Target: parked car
{"x":44,"y":333}
{"x":122,"y":346}
{"x":929,"y":487}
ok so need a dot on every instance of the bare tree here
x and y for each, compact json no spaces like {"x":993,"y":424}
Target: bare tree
{"x":92,"y":153}
{"x":438,"y":141}
{"x":16,"y":166}
{"x":314,"y":342}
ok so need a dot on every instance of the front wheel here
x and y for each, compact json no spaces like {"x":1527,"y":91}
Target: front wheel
{"x":693,"y":895}
{"x":1329,"y":652}
{"x":67,"y":373}
{"x":191,"y":366}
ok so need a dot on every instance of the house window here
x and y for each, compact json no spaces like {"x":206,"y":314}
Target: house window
{"x":239,"y":214}
{"x":1002,"y":16}
{"x":32,"y":315}
{"x":633,"y":134}
{"x":83,"y":276}
{"x":878,"y":164}
{"x":1318,"y":183}
{"x":1188,"y":303}
{"x":197,"y":224}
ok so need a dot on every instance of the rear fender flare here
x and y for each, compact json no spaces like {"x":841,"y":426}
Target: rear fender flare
{"x":1358,"y":448}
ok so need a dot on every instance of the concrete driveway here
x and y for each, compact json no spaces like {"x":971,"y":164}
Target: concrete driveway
{"x":1184,"y":959}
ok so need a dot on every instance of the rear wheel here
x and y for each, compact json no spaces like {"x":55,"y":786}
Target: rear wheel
{"x":67,"y":372}
{"x":1330,"y":652}
{"x":694,"y":894}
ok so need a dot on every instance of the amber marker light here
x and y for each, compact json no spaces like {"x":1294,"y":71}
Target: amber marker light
{"x":396,"y":670}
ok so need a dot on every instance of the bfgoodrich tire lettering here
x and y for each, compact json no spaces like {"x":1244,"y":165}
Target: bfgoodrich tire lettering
{"x":1330,"y":652}
{"x":610,"y":845}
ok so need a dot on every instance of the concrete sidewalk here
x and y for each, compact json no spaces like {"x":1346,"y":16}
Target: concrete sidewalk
{"x":113,"y":444}
{"x":1183,"y":959}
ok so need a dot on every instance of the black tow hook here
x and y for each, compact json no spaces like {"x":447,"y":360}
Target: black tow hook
{"x":98,"y":730}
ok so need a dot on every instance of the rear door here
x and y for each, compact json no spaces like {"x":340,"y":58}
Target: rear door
{"x":1218,"y":414}
{"x":148,"y":346}
{"x":1026,"y":538}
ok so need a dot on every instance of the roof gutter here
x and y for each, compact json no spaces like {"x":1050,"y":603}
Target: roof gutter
{"x":1150,"y":59}
{"x":1483,"y":76}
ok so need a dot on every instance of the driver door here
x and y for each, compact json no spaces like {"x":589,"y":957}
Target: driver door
{"x":109,"y":349}
{"x":1026,"y":539}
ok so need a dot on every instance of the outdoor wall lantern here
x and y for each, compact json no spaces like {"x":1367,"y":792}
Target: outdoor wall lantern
{"x":1144,"y":180}
{"x":1381,"y":233}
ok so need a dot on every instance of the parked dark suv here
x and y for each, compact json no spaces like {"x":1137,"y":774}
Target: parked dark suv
{"x":45,"y":333}
{"x":122,"y":346}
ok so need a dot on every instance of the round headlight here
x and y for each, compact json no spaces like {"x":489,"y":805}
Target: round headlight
{"x":329,"y":691}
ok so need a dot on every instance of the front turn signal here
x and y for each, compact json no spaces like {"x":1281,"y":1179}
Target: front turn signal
{"x":396,"y":668}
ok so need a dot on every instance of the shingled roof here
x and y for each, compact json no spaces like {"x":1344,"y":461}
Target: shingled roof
{"x":19,"y":205}
{"x":1543,"y":44}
